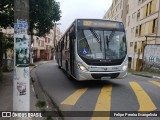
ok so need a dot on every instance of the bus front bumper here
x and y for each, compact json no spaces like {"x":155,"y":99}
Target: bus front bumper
{"x":87,"y":75}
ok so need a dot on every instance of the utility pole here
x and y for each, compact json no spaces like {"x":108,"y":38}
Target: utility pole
{"x":1,"y":53}
{"x":21,"y":84}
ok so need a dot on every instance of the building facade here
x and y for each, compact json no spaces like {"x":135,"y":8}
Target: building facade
{"x":43,"y":46}
{"x":117,"y":11}
{"x":142,"y":19}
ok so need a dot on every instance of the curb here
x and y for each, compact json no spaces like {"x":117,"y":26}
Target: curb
{"x":50,"y":103}
{"x":149,"y":76}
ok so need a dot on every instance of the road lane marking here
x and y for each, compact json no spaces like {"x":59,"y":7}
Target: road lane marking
{"x":155,"y":82}
{"x":145,"y":102}
{"x":73,"y":98}
{"x":103,"y":102}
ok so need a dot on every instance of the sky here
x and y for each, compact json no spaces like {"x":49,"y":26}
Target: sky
{"x":73,"y":9}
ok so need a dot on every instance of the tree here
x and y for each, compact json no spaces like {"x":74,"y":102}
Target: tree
{"x":43,"y":13}
{"x":1,"y":53}
{"x":6,"y":13}
{"x":7,"y":43}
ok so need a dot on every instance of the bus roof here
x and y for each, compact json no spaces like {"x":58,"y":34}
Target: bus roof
{"x":97,"y":20}
{"x":99,"y":23}
{"x":86,"y":22}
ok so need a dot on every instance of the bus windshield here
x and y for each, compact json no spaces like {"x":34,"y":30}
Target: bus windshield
{"x":101,"y":44}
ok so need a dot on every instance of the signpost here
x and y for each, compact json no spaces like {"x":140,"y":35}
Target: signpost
{"x":21,"y":79}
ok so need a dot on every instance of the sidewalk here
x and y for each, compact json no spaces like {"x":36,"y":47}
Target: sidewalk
{"x":6,"y":93}
{"x":145,"y":74}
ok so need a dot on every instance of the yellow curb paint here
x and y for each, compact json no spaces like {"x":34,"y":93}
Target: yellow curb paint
{"x":73,"y":98}
{"x":155,"y":82}
{"x":145,"y":102}
{"x":103,"y":103}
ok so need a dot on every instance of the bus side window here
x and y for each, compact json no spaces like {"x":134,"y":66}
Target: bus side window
{"x":68,"y":40}
{"x":63,"y":44}
{"x":72,"y":33}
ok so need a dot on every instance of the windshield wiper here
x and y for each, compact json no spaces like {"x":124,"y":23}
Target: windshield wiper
{"x":98,"y":38}
{"x":95,"y":35}
{"x":111,"y":35}
{"x":108,"y":38}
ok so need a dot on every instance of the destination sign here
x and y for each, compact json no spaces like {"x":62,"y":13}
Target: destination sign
{"x":100,"y":23}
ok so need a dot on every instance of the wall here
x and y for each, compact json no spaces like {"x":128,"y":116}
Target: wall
{"x":151,"y":59}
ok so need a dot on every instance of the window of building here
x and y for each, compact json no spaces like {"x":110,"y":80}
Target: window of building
{"x":48,"y":40}
{"x":155,"y":25}
{"x":137,"y":31}
{"x":42,"y":43}
{"x":145,"y":8}
{"x":131,"y":44}
{"x":135,"y":47}
{"x":128,"y":20}
{"x":140,"y":30}
{"x":138,"y":15}
{"x":47,"y":47}
{"x":45,"y":39}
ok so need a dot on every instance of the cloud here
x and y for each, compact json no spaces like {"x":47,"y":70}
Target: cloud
{"x":73,"y":9}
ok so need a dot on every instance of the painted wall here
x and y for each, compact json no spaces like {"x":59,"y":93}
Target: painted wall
{"x":152,"y":57}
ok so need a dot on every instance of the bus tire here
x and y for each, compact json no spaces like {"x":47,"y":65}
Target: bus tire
{"x":59,"y":66}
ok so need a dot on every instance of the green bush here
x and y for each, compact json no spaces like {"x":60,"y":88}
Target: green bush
{"x":41,"y":104}
{"x":31,"y":64}
{"x":5,"y":69}
{"x":49,"y":118}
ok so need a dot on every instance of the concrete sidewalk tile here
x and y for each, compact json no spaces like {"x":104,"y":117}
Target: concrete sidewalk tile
{"x":6,"y":92}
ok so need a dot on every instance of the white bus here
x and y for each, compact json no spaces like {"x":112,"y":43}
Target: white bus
{"x":93,"y":49}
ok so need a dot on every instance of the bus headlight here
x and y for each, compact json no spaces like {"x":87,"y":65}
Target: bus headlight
{"x":82,"y":67}
{"x":124,"y":68}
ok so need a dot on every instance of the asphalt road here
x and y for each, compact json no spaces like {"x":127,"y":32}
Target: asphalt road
{"x":134,"y":93}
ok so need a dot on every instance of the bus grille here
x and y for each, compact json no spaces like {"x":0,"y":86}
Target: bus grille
{"x":98,"y":76}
